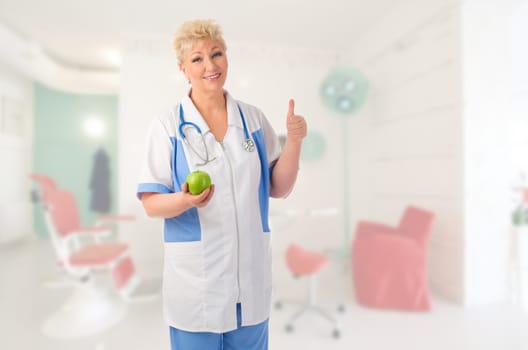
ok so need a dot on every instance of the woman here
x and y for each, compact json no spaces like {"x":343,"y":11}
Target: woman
{"x":217,"y":267}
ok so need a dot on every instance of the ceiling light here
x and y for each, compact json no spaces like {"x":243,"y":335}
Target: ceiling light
{"x":94,"y":127}
{"x":112,"y":56}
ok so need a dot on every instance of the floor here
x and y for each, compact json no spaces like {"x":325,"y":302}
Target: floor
{"x":29,"y":294}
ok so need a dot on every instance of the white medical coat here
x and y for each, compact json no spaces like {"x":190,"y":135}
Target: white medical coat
{"x":220,"y":254}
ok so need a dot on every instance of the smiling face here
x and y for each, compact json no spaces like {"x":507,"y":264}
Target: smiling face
{"x":205,"y":66}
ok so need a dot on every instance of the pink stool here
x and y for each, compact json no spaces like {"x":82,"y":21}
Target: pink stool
{"x":304,"y":263}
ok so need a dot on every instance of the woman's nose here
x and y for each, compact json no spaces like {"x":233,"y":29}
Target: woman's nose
{"x":209,"y":63}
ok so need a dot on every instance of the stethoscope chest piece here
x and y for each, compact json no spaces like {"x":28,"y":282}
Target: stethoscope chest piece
{"x":249,"y":145}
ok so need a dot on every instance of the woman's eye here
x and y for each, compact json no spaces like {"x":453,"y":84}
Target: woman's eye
{"x":196,"y":59}
{"x":217,"y":54}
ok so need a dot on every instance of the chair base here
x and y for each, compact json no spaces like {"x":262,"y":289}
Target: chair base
{"x":89,"y":310}
{"x":314,"y":309}
{"x":141,"y":290}
{"x":310,"y":305}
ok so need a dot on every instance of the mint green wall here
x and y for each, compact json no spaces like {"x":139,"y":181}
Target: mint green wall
{"x":62,"y":150}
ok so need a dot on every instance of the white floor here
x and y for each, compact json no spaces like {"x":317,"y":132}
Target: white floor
{"x":27,"y":299}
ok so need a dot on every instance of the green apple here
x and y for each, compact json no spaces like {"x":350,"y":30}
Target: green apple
{"x":198,"y":181}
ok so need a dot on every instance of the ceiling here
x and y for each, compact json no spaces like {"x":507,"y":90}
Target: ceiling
{"x":89,"y":34}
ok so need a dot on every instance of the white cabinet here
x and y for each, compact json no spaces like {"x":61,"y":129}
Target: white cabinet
{"x":519,"y":265}
{"x":16,"y":130}
{"x":15,"y":207}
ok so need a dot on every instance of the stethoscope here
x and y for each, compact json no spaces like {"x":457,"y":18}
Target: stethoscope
{"x":248,"y":143}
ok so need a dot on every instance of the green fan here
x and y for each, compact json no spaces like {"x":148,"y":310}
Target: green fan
{"x":313,"y":147}
{"x":344,"y":90}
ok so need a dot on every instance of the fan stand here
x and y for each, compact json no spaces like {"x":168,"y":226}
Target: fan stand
{"x":343,"y":253}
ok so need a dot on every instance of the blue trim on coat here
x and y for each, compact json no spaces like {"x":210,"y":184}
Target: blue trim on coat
{"x":265,"y":176}
{"x":186,"y":226}
{"x":151,"y":187}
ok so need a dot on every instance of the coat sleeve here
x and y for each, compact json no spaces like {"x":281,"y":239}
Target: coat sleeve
{"x":156,"y":169}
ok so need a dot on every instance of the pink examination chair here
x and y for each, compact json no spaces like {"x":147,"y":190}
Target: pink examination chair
{"x":389,"y":264}
{"x":83,"y":253}
{"x":304,"y":263}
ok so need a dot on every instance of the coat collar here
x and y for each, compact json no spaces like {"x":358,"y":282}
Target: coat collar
{"x":191,"y":113}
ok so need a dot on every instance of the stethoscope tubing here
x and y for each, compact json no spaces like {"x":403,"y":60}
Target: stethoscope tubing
{"x":248,"y":144}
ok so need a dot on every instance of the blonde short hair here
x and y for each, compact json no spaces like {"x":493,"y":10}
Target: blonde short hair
{"x":194,"y":31}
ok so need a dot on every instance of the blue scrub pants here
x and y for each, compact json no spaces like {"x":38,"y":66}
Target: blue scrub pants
{"x":243,"y":338}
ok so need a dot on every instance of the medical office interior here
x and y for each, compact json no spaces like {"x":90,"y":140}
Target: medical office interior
{"x":407,"y":227}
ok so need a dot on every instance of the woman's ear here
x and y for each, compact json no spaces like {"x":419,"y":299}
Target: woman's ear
{"x":182,"y":69}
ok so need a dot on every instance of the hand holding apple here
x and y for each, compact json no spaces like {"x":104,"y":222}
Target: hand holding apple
{"x":198,"y":181}
{"x":198,"y":190}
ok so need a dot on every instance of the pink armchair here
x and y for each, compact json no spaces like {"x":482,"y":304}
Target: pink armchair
{"x":389,"y":264}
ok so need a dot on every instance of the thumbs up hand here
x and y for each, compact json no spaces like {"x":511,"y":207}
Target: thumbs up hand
{"x":295,"y":124}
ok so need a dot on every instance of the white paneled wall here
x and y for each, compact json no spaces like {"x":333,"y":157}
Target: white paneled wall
{"x":414,"y":127}
{"x":16,"y":98}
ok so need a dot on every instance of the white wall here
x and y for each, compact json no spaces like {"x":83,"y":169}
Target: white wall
{"x":149,"y":84}
{"x":266,"y":76}
{"x":488,"y":157}
{"x":409,"y":140}
{"x":519,"y":78}
{"x":16,"y":104}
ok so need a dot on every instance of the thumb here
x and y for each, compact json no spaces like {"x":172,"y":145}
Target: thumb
{"x":291,"y":107}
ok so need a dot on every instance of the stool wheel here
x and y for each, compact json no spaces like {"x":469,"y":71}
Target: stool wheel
{"x":336,"y":334}
{"x":341,"y":308}
{"x":289,"y":328}
{"x":278,"y":305}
